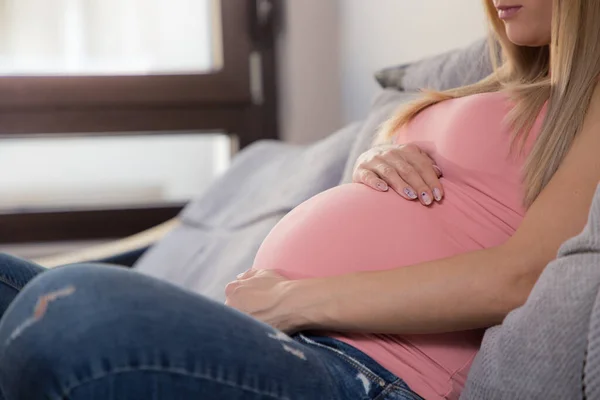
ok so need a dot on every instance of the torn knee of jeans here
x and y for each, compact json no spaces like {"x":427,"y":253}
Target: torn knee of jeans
{"x":40,"y":309}
{"x":42,"y":304}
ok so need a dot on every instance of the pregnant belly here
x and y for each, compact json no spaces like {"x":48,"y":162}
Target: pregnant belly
{"x":353,"y":228}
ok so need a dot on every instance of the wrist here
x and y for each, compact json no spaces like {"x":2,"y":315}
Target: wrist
{"x":311,"y":302}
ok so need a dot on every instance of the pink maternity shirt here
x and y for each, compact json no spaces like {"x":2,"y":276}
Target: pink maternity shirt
{"x":353,"y":228}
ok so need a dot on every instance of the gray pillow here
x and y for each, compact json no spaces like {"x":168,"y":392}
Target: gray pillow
{"x":442,"y":72}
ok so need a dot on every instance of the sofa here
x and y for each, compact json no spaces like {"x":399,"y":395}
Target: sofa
{"x":548,"y":349}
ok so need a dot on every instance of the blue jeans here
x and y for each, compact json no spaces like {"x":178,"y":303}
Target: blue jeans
{"x":98,"y":333}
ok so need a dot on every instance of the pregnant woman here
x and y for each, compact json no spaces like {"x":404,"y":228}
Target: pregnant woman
{"x":378,"y":289}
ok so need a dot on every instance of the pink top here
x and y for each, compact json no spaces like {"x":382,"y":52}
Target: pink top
{"x":353,"y":228}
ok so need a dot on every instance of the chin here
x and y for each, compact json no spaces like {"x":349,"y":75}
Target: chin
{"x":527,"y":41}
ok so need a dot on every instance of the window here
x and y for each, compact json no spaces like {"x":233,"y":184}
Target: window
{"x":93,"y":75}
{"x":130,"y":37}
{"x":112,"y":171}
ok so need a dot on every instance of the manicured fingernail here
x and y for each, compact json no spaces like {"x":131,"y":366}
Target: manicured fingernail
{"x":426,"y":199}
{"x":410,"y":193}
{"x":437,"y":194}
{"x":382,"y":186}
{"x":438,"y":171}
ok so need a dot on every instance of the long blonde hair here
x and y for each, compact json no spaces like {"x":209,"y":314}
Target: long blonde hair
{"x":574,"y":59}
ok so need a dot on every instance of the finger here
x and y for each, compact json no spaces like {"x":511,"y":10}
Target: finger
{"x":438,"y":190}
{"x":410,"y":148}
{"x":430,"y":175}
{"x":369,"y":178}
{"x":248,"y":274}
{"x":423,"y":164}
{"x":412,"y":177}
{"x":390,"y":175}
{"x":430,"y":161}
{"x":230,"y":289}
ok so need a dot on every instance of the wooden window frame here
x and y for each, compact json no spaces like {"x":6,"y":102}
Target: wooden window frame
{"x":68,"y":106}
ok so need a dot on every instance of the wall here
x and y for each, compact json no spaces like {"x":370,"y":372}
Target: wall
{"x":395,"y":32}
{"x":331,"y":48}
{"x":309,"y":65}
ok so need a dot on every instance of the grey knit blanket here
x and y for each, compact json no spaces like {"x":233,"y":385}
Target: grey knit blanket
{"x":550,"y":347}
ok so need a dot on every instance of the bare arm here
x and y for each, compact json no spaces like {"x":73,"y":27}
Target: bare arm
{"x":468,"y":291}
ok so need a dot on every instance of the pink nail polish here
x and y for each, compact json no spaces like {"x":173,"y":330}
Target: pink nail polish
{"x":437,"y":194}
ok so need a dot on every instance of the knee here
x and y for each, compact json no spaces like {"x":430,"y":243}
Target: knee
{"x":62,"y":309}
{"x":62,"y":296}
{"x":55,"y":284}
{"x":53,"y":325}
{"x":56,"y":295}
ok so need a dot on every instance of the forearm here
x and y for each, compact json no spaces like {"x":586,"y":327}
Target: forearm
{"x":469,"y":291}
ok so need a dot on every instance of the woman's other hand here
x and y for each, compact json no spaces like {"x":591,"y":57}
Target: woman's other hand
{"x":263,"y":294}
{"x":406,"y":169}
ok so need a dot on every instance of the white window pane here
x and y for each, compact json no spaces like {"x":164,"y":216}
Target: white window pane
{"x":96,"y":37}
{"x":109,"y":171}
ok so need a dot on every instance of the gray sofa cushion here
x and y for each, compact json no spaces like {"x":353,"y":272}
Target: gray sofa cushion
{"x":591,"y":371}
{"x":539,"y":351}
{"x":270,"y":177}
{"x":445,"y":71}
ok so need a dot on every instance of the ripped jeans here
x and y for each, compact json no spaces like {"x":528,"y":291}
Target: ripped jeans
{"x":102,"y":333}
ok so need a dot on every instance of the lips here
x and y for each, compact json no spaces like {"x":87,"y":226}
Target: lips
{"x":507,"y":12}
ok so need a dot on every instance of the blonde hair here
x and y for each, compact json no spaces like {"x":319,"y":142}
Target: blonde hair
{"x":574,"y":59}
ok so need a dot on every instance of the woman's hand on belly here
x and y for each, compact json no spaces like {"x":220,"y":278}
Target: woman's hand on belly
{"x":407,"y":169}
{"x":262,"y":294}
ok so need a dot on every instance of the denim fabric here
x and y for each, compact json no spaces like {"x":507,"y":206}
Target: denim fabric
{"x":125,"y":259}
{"x":382,"y":384}
{"x":14,"y":275}
{"x":101,"y":333}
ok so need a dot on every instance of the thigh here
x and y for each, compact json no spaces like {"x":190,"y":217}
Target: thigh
{"x":15,"y":273}
{"x":86,"y":332}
